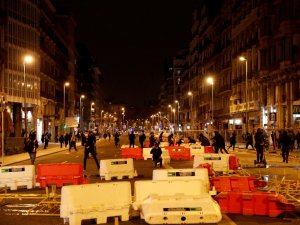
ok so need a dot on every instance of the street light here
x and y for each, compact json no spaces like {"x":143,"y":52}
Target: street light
{"x":101,"y":118}
{"x":191,"y":104}
{"x":66,"y":84}
{"x":171,"y":112}
{"x":27,"y":60}
{"x":243,"y":59}
{"x":92,"y":103}
{"x":81,"y":97}
{"x":177,"y":102}
{"x":210,"y":81}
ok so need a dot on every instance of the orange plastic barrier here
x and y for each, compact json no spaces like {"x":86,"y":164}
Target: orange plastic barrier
{"x":234,"y":163}
{"x":146,"y":144}
{"x":135,"y":153}
{"x":208,"y":167}
{"x":179,"y":152}
{"x":237,"y":183}
{"x":254,"y":203}
{"x":209,"y":149}
{"x":60,"y":174}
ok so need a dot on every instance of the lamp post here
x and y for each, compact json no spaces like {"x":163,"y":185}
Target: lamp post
{"x":80,"y":113}
{"x":243,"y":59}
{"x":27,"y":60}
{"x":101,"y":119}
{"x":191,"y":105}
{"x":66,"y":84}
{"x":177,"y":102}
{"x":92,"y":103}
{"x":210,"y":80}
{"x":170,"y":112}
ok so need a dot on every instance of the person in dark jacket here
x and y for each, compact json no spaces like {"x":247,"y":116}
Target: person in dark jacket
{"x":191,"y":140}
{"x":156,"y":155}
{"x":61,"y":140}
{"x":219,"y":143}
{"x":117,"y":139}
{"x":171,"y":140}
{"x":142,"y":138}
{"x":131,"y":139}
{"x":249,"y":140}
{"x":31,"y":145}
{"x":259,"y":145}
{"x":285,"y":146}
{"x":204,"y":140}
{"x":151,"y":140}
{"x":232,"y":140}
{"x":89,"y":148}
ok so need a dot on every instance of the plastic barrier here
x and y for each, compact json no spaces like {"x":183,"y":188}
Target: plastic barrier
{"x":166,"y":159}
{"x":219,"y":162}
{"x":196,"y":149}
{"x":99,"y":200}
{"x":163,"y":144}
{"x":209,"y":149}
{"x":146,"y":153}
{"x":234,"y":163}
{"x":142,"y":189}
{"x":135,"y":153}
{"x":118,"y":168}
{"x":254,"y":203}
{"x":127,"y":146}
{"x":181,"y":209}
{"x":237,"y":183}
{"x":16,"y":176}
{"x":60,"y":174}
{"x":184,"y":174}
{"x":179,"y":152}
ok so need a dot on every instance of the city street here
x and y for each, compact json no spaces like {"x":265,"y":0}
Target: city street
{"x":12,"y":209}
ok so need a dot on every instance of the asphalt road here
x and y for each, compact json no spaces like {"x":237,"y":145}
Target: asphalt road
{"x":12,"y":210}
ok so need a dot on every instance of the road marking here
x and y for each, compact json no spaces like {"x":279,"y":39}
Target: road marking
{"x":64,"y":162}
{"x":228,"y":220}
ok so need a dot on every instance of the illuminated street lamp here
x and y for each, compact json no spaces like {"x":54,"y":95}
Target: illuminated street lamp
{"x":243,"y":59}
{"x":26,"y":60}
{"x":66,"y":84}
{"x":92,"y":103}
{"x":170,"y":113}
{"x":80,"y":108}
{"x":191,"y":104}
{"x":177,"y":102}
{"x":210,"y":81}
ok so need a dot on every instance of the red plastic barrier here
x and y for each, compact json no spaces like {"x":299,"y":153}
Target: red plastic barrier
{"x":60,"y":174}
{"x":135,"y":153}
{"x":208,"y":167}
{"x":179,"y":152}
{"x":237,"y":183}
{"x":146,"y":144}
{"x":234,"y":163}
{"x":209,"y":149}
{"x":254,"y":203}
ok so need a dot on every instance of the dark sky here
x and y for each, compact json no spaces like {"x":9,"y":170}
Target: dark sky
{"x":130,"y":39}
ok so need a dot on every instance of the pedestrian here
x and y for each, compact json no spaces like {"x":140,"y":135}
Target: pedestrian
{"x":156,"y":154}
{"x":89,"y":148}
{"x":142,"y":138}
{"x":109,"y":136}
{"x":117,"y":139}
{"x":180,"y":140}
{"x":160,"y":137}
{"x":151,"y":140}
{"x":204,"y":140}
{"x":46,"y":140}
{"x":285,"y":146}
{"x":61,"y":140}
{"x":72,"y":142}
{"x":292,"y":135}
{"x":31,"y":145}
{"x":232,"y":140}
{"x":105,"y":135}
{"x":67,"y":138}
{"x":131,"y":139}
{"x":219,"y":143}
{"x":171,"y":139}
{"x":43,"y":138}
{"x":249,"y":140}
{"x":259,"y":145}
{"x":191,"y":140}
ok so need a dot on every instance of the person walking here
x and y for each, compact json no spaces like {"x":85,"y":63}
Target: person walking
{"x":259,"y":145}
{"x":31,"y":145}
{"x":131,"y":139}
{"x":219,"y":143}
{"x":89,"y":148}
{"x":151,"y":140}
{"x":46,"y":140}
{"x":171,"y":139}
{"x":109,"y":136}
{"x":232,"y":140}
{"x":204,"y":140}
{"x":72,"y":142}
{"x":156,"y":155}
{"x":285,"y":146}
{"x":249,"y":140}
{"x":61,"y":140}
{"x":67,"y":138}
{"x":117,"y":139}
{"x":142,"y":138}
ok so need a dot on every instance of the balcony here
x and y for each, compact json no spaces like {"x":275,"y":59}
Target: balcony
{"x":252,"y":106}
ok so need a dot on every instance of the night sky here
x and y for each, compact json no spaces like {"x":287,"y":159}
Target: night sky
{"x":131,"y":40}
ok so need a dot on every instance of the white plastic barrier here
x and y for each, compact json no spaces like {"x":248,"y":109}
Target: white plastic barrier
{"x":219,"y":162}
{"x":166,"y":159}
{"x":127,"y":146}
{"x":16,"y":176}
{"x":143,"y":189}
{"x":146,"y":153}
{"x":184,"y":174}
{"x":196,"y":149}
{"x":99,"y":200}
{"x":181,"y":209}
{"x":163,"y":144}
{"x":118,"y":168}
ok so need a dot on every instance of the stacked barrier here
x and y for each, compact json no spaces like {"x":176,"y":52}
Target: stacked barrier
{"x":118,"y":168}
{"x":179,"y":152}
{"x":196,"y":150}
{"x":183,"y":174}
{"x":209,"y":149}
{"x":135,"y":153}
{"x":166,"y":159}
{"x":163,"y":144}
{"x":60,"y":174}
{"x":219,"y":162}
{"x":16,"y":176}
{"x":146,"y":153}
{"x":175,"y":202}
{"x":254,"y":203}
{"x":99,"y":200}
